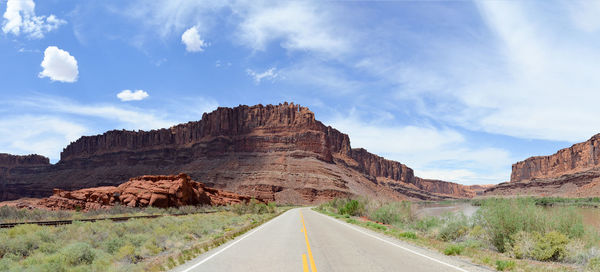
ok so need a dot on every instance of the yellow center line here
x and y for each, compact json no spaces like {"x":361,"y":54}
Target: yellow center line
{"x":310,"y":256}
{"x":304,"y":263}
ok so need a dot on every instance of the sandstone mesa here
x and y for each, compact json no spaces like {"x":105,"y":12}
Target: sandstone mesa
{"x":274,"y":152}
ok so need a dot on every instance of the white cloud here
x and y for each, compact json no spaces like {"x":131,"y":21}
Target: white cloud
{"x":192,"y":40}
{"x":19,"y":17}
{"x":268,"y":74}
{"x":59,"y":65}
{"x":126,"y":117}
{"x":128,"y":95}
{"x":40,"y":134}
{"x":294,"y":25}
{"x":436,"y":153}
{"x":298,"y":25}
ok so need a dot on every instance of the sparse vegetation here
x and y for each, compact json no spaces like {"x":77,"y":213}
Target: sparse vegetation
{"x":12,"y":214}
{"x":453,"y":249}
{"x":519,"y":229}
{"x":134,"y":245}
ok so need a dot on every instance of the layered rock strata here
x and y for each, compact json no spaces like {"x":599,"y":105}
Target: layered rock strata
{"x":566,"y":173}
{"x":577,"y":158}
{"x":279,"y":153}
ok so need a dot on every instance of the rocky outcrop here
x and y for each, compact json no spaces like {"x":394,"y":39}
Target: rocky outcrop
{"x":276,"y":152}
{"x":577,"y":158}
{"x":566,"y":173}
{"x":157,"y":191}
{"x":7,"y":160}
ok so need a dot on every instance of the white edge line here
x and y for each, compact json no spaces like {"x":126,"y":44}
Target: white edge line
{"x":230,"y":245}
{"x":394,"y":244}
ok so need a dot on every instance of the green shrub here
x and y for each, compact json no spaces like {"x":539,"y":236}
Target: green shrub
{"x":523,"y":246}
{"x":392,"y":213}
{"x":426,"y":224}
{"x":550,"y":247}
{"x":504,"y":218}
{"x":78,"y":253}
{"x":453,"y":249}
{"x":502,"y":265}
{"x":408,"y":234}
{"x":455,"y":227}
{"x":351,"y":207}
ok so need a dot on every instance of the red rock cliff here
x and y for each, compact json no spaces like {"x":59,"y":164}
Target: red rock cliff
{"x":276,"y":152}
{"x":256,"y":120}
{"x":577,"y":158}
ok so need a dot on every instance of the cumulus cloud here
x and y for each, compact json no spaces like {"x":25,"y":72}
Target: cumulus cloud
{"x":59,"y":65}
{"x":128,"y":95}
{"x":268,"y":74}
{"x":20,"y":18}
{"x":192,"y":40}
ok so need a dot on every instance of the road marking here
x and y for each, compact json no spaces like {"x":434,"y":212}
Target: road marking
{"x":396,"y":245}
{"x":304,"y":263}
{"x":230,"y":245}
{"x":313,"y":268}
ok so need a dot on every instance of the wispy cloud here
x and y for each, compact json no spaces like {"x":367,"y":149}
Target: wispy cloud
{"x":437,"y":153}
{"x":269,"y":74}
{"x":38,"y":134}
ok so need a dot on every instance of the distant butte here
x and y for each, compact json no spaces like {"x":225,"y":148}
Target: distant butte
{"x":273,"y":152}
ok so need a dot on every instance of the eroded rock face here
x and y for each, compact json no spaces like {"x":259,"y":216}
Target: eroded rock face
{"x":567,"y":173}
{"x":157,"y":191}
{"x":577,"y":158}
{"x":280,"y":153}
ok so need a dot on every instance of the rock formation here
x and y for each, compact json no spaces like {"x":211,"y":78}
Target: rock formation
{"x":157,"y":191}
{"x":564,"y":173}
{"x":577,"y":158}
{"x":276,"y":152}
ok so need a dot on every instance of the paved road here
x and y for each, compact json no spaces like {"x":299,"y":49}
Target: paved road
{"x":306,"y":241}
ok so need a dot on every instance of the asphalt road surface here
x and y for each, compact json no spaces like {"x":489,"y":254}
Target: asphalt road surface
{"x":306,"y":241}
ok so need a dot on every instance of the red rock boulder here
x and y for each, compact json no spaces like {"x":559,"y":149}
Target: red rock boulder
{"x":157,"y":191}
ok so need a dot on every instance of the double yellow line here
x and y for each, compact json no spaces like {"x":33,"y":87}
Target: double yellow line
{"x":310,"y":256}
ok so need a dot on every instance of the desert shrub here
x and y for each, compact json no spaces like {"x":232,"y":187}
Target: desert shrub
{"x":425,"y":224}
{"x":523,"y":245}
{"x":504,"y":218}
{"x":351,"y":207}
{"x":408,"y":234}
{"x":566,"y":220}
{"x":392,"y":213}
{"x":455,"y":227}
{"x":505,"y":265}
{"x":78,"y":253}
{"x":550,"y":247}
{"x":453,"y":249}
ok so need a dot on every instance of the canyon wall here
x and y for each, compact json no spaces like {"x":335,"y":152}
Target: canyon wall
{"x":276,"y":153}
{"x":570,"y":172}
{"x":577,"y":158}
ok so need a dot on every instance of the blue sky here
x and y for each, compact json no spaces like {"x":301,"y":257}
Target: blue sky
{"x":457,"y":90}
